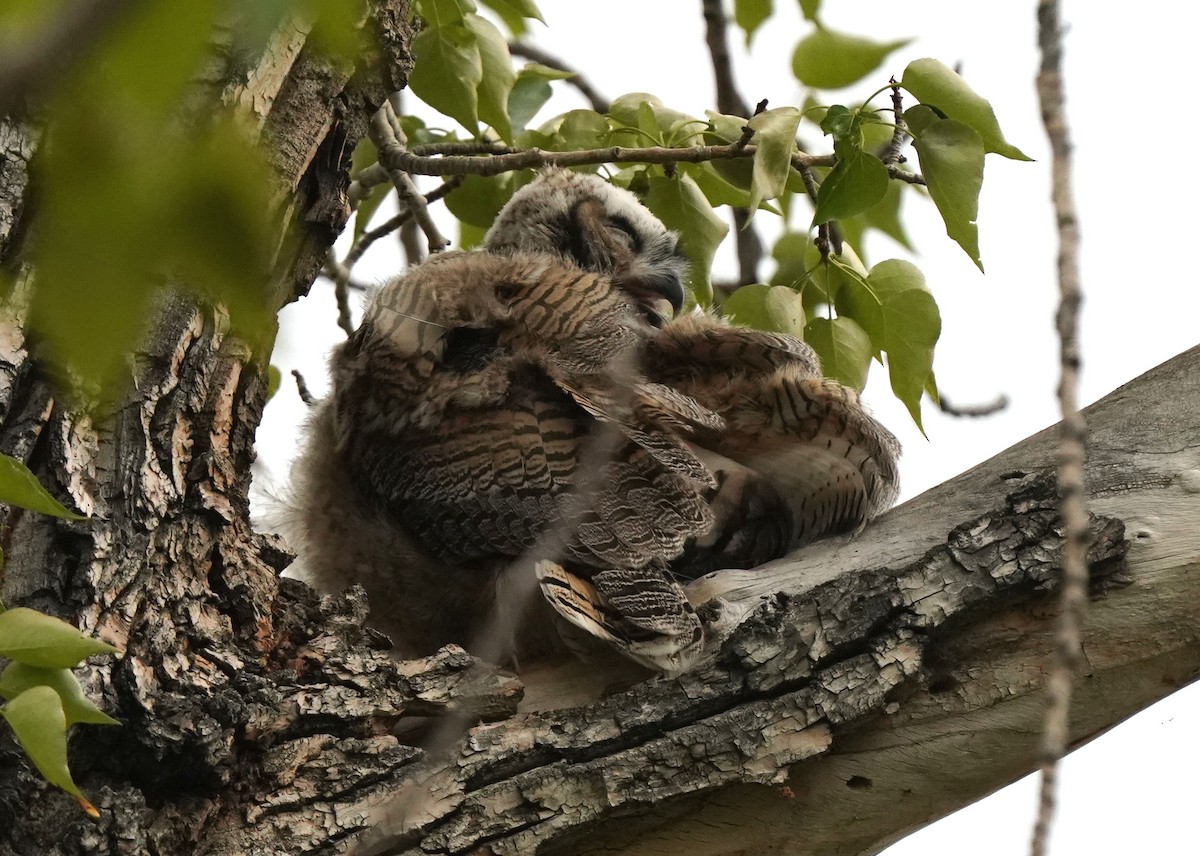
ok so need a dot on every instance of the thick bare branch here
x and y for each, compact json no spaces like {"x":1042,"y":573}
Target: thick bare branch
{"x":918,"y":632}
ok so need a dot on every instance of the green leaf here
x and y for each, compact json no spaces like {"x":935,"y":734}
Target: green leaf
{"x":447,"y":71}
{"x":18,"y":677}
{"x":479,"y":199}
{"x":775,"y":135}
{"x":951,"y":156}
{"x":940,"y":86}
{"x":37,"y":639}
{"x":844,"y":348}
{"x":809,"y":9}
{"x":655,"y":121}
{"x":498,"y":75}
{"x":274,"y":380}
{"x":18,"y":486}
{"x":40,"y":726}
{"x":681,"y":206}
{"x":716,"y":189}
{"x":438,"y":13}
{"x":582,"y":129}
{"x":826,"y":59}
{"x":767,"y":307}
{"x":750,"y":14}
{"x":723,"y":131}
{"x":800,"y":267}
{"x":514,"y":13}
{"x":530,"y":92}
{"x":857,"y":182}
{"x":901,"y":317}
{"x":884,"y":216}
{"x":469,"y":236}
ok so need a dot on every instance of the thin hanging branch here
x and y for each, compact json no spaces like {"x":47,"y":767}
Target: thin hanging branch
{"x":535,"y":54}
{"x":972,"y":411}
{"x":1068,"y":653}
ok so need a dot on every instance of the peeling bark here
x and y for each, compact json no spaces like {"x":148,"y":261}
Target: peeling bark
{"x":261,"y":719}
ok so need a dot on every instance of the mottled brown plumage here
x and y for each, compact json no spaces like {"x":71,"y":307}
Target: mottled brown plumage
{"x":534,"y":402}
{"x":466,"y":416}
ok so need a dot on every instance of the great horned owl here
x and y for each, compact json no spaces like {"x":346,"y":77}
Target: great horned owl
{"x":797,"y":457}
{"x":464,"y":408}
{"x":465,"y":431}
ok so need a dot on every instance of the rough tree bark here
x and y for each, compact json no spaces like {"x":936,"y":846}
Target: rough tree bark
{"x":259,"y":719}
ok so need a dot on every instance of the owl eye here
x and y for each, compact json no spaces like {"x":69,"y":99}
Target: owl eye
{"x":622,"y":230}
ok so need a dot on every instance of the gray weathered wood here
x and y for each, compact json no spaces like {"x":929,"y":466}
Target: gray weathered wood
{"x":880,"y":681}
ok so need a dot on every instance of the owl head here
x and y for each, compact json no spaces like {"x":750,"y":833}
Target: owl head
{"x":592,"y":225}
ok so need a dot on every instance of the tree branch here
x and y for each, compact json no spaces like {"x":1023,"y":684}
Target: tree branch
{"x":536,"y":54}
{"x":1068,"y":650}
{"x":394,"y":156}
{"x":848,"y":654}
{"x":730,"y":101}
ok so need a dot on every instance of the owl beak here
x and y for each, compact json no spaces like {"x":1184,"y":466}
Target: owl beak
{"x":657,"y":287}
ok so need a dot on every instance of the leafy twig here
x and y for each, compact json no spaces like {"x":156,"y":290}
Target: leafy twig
{"x":900,"y":136}
{"x":394,"y":156}
{"x":1068,"y":651}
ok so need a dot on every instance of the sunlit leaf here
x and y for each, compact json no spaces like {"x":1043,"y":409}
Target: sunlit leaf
{"x":750,"y":15}
{"x":18,"y":486}
{"x":951,"y":156}
{"x":498,"y":75}
{"x":857,"y":182}
{"x":680,"y":204}
{"x":937,"y":85}
{"x":37,"y":639}
{"x":18,"y":677}
{"x":775,"y":136}
{"x":447,"y":72}
{"x":767,"y":307}
{"x":826,"y":59}
{"x":844,"y":348}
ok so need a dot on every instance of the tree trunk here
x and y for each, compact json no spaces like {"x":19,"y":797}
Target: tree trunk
{"x":261,"y":719}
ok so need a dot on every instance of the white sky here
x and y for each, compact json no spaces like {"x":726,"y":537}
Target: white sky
{"x":1131,"y":791}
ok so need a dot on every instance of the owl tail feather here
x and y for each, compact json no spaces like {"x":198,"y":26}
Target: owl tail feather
{"x":639,"y":612}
